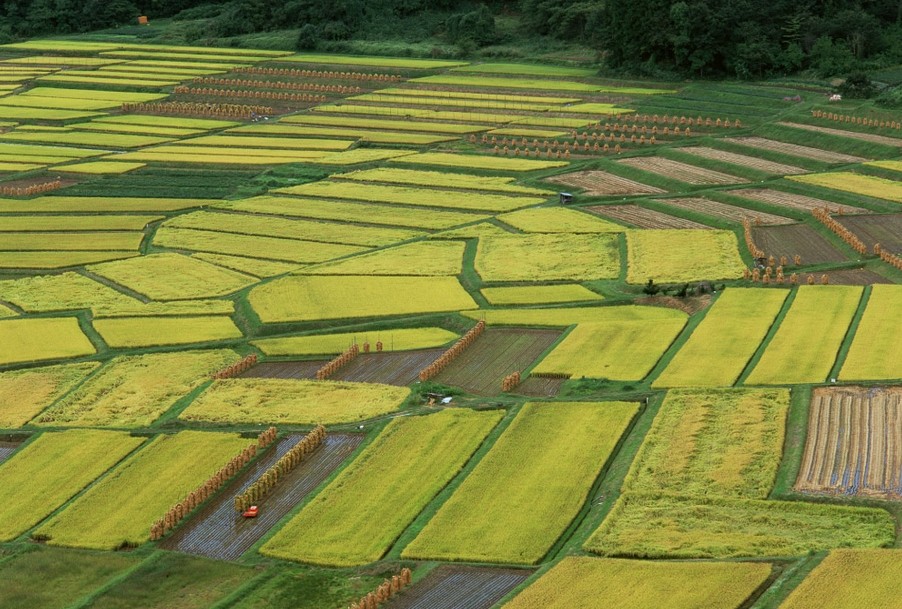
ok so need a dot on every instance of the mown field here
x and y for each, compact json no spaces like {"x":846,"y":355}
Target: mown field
{"x":691,"y":356}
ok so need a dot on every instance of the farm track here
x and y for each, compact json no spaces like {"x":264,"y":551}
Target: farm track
{"x":497,"y":353}
{"x":855,"y":135}
{"x":793,"y":239}
{"x":724,"y":211}
{"x":218,"y":531}
{"x":641,"y":217}
{"x":391,"y":368}
{"x":305,"y":369}
{"x":7,"y":449}
{"x":682,"y":172}
{"x":854,"y":445}
{"x":538,"y":387}
{"x":450,"y":587}
{"x":792,"y":201}
{"x":806,"y":152}
{"x":742,"y":160}
{"x":602,"y":183}
{"x":885,"y":229}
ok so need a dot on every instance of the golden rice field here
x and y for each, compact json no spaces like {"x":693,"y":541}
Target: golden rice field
{"x":83,"y":241}
{"x":49,"y":471}
{"x":507,"y":83}
{"x":473,"y":231}
{"x":379,"y":123}
{"x":680,"y":255}
{"x":723,"y":343}
{"x":874,"y":353}
{"x":656,"y":525}
{"x":172,"y":277}
{"x":562,"y":317}
{"x":254,"y":267}
{"x":390,"y":215}
{"x":142,"y":489}
{"x":360,"y":514}
{"x":558,"y":220}
{"x":578,"y":582}
{"x":86,"y":138}
{"x":41,"y":339}
{"x":713,"y":443}
{"x":807,"y":341}
{"x":133,"y":391}
{"x":444,"y":159}
{"x":58,"y":259}
{"x":167,"y":121}
{"x":525,"y":492}
{"x":441,"y":179}
{"x":548,"y":257}
{"x":101,"y":167}
{"x":292,"y":402}
{"x":169,"y":309}
{"x":849,"y":579}
{"x":400,"y":339}
{"x":63,"y":292}
{"x":358,"y":156}
{"x":376,"y":137}
{"x":149,"y":331}
{"x":539,"y":294}
{"x":339,"y":297}
{"x":422,"y":258}
{"x":622,"y":350}
{"x":63,"y":204}
{"x":847,"y":181}
{"x":402,"y":195}
{"x":387,"y":62}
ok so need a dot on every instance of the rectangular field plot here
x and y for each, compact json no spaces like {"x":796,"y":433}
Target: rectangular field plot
{"x":142,"y":489}
{"x":558,"y":220}
{"x":98,"y":204}
{"x":874,"y":354}
{"x":539,"y":294}
{"x":84,"y":241}
{"x":851,"y":578}
{"x":474,"y":161}
{"x":38,"y":339}
{"x":38,"y":223}
{"x":525,"y":492}
{"x":292,"y":402}
{"x":846,"y":181}
{"x":539,"y":257}
{"x":856,"y":135}
{"x":132,"y":391}
{"x":422,"y":258}
{"x":452,"y":587}
{"x":805,"y":346}
{"x":724,"y":211}
{"x":603,"y":184}
{"x":791,"y":200}
{"x":885,"y":229}
{"x":359,"y":515}
{"x":52,"y":469}
{"x":74,"y":574}
{"x":399,"y":368}
{"x":682,"y":172}
{"x":217,"y":531}
{"x":641,"y":217}
{"x":314,"y":297}
{"x":442,"y":179}
{"x":796,"y":239}
{"x":25,"y":393}
{"x":152,"y":331}
{"x":305,"y":369}
{"x":674,"y":256}
{"x":807,"y":152}
{"x":402,"y":339}
{"x":853,"y":445}
{"x":580,"y":582}
{"x":726,"y":339}
{"x":59,"y":260}
{"x":497,"y":353}
{"x":742,"y":160}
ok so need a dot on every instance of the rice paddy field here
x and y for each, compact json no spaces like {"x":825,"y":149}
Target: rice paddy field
{"x":523,"y":391}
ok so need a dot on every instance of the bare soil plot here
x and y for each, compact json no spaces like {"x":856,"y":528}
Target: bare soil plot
{"x":539,"y":387}
{"x":452,"y":587}
{"x":854,"y":444}
{"x":390,"y":368}
{"x":743,"y":160}
{"x":682,"y":172}
{"x":602,"y":183}
{"x":807,"y":152}
{"x":641,"y":217}
{"x":497,"y":353}
{"x":689,"y":305}
{"x":304,"y":369}
{"x":856,"y":277}
{"x":792,"y":201}
{"x":218,"y":531}
{"x":7,"y":449}
{"x":885,"y":229}
{"x":732,"y":213}
{"x":855,"y":135}
{"x":795,"y":239}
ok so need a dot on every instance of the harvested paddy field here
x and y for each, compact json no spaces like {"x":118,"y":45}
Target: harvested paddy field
{"x":497,"y":353}
{"x":453,"y":587}
{"x":855,"y":135}
{"x":682,"y":172}
{"x":856,"y":277}
{"x":885,"y":229}
{"x":791,"y":200}
{"x":218,"y":531}
{"x":304,"y":369}
{"x":724,"y":211}
{"x":603,"y":184}
{"x":742,"y":160}
{"x":807,"y":152}
{"x":7,"y":449}
{"x":794,"y":239}
{"x":641,"y":217}
{"x":390,"y":368}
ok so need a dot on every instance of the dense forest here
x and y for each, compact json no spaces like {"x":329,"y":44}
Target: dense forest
{"x":704,"y":38}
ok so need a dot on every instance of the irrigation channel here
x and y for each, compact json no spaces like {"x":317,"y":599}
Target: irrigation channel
{"x":451,"y":587}
{"x":218,"y":531}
